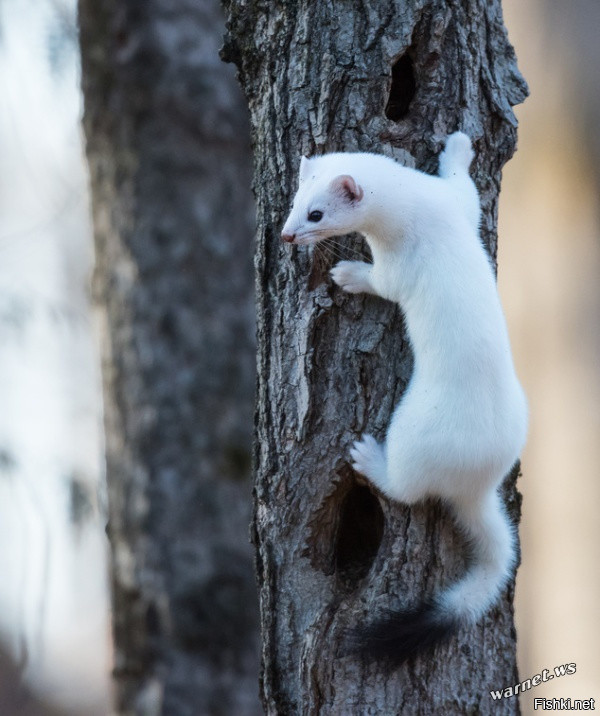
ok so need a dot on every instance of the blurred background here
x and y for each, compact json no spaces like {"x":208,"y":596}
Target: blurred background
{"x":54,"y":609}
{"x":549,"y":277}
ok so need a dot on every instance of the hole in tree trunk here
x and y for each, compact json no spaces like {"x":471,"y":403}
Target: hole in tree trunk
{"x":359,"y":533}
{"x":346,"y":530}
{"x":402,"y":90}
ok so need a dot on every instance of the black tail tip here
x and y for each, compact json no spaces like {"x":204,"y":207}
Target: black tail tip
{"x":396,"y":637}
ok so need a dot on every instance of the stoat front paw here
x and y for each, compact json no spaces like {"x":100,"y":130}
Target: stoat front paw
{"x":352,"y":276}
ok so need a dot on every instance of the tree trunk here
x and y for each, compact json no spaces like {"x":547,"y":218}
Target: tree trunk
{"x":168,"y":150}
{"x":396,"y":78}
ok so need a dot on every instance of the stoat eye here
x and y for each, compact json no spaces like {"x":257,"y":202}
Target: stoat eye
{"x":315,"y":216}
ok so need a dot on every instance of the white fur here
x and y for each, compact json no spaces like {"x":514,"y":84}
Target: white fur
{"x":462,"y":422}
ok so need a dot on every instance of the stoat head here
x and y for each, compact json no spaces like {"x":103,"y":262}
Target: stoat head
{"x":326,"y":204}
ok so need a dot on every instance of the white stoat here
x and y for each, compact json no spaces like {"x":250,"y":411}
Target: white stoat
{"x":462,"y":422}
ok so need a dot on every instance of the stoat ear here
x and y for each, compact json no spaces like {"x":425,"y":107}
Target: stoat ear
{"x":347,"y":187}
{"x":304,"y":168}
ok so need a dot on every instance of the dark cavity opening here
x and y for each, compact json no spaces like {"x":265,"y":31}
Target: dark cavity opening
{"x":359,"y":533}
{"x":402,"y":90}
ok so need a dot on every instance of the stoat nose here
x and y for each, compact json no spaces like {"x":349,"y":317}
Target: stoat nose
{"x":288,"y":238}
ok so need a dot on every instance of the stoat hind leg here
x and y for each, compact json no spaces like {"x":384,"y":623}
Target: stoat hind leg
{"x":368,"y":458}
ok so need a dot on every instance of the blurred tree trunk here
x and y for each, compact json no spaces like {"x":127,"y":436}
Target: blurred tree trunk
{"x":168,"y":149}
{"x":393,"y":77}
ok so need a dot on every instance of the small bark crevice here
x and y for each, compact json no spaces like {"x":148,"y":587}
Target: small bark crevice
{"x":402,"y":89}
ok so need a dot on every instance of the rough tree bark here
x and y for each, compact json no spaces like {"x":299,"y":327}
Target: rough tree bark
{"x":395,"y":77}
{"x":169,"y":156}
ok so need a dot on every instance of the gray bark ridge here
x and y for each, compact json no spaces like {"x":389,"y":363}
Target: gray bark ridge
{"x":330,"y":552}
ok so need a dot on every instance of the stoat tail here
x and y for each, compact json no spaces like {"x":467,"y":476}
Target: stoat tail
{"x":454,"y":165}
{"x":397,"y":636}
